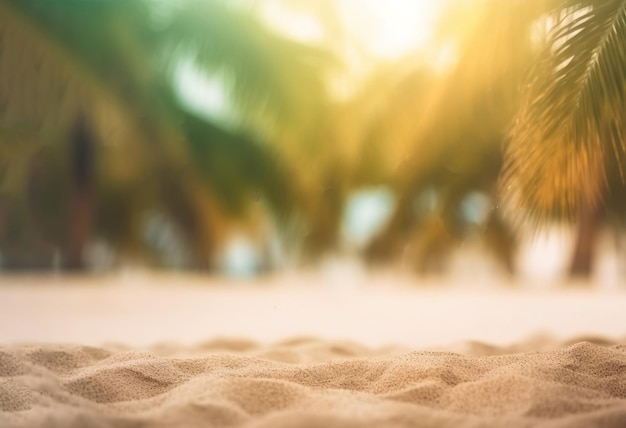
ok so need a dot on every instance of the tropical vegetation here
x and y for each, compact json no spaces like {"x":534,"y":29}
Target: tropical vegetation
{"x":522,"y":127}
{"x":566,"y":155}
{"x":95,"y":136}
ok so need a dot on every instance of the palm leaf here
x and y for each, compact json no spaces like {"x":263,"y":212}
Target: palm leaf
{"x":59,"y":60}
{"x":275,"y":82}
{"x":456,"y":142}
{"x":45,"y":85}
{"x":237,"y":168}
{"x":570,"y":126}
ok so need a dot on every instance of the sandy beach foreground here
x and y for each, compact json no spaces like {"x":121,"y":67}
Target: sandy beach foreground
{"x":312,"y":383}
{"x":160,"y":352}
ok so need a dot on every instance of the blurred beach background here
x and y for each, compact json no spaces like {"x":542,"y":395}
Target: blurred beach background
{"x":275,"y":168}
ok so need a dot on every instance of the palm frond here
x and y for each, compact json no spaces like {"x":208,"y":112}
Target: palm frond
{"x":456,"y":142}
{"x":107,"y":59}
{"x":237,"y":168}
{"x":272,"y":80}
{"x":474,"y":101}
{"x":571,"y":120}
{"x":44,"y":84}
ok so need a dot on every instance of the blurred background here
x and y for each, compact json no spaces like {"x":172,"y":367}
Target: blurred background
{"x":247,"y":138}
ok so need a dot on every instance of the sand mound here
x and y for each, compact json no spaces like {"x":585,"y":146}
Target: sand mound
{"x":311,"y":383}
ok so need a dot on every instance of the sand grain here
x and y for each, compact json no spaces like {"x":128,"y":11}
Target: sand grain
{"x":312,"y":383}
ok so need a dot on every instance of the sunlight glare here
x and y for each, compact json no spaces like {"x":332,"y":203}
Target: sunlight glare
{"x":299,"y":26}
{"x":397,"y":27}
{"x":386,"y":30}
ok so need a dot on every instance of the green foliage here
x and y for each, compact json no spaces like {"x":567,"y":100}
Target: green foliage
{"x":112,"y":62}
{"x":567,"y":146}
{"x":273,"y":81}
{"x":457,"y":142}
{"x":234,"y":161}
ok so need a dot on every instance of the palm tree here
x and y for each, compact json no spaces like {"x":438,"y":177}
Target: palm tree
{"x":94,"y":80}
{"x":566,"y":156}
{"x":456,"y":143}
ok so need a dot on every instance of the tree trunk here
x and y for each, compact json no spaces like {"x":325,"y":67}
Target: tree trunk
{"x":581,"y":266}
{"x":389,"y":244}
{"x":81,"y":198}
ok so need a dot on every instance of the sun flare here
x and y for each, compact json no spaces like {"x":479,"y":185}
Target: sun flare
{"x":396,"y":27}
{"x":385,"y":30}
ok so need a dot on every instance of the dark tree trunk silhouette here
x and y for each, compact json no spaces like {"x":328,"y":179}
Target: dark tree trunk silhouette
{"x":501,"y":241}
{"x":82,"y":193}
{"x":389,"y":244}
{"x":581,"y":266}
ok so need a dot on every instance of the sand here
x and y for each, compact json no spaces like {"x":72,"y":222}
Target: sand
{"x":381,"y":356}
{"x":312,"y":383}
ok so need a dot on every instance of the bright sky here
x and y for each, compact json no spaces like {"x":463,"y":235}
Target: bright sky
{"x":386,"y":29}
{"x":392,"y":28}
